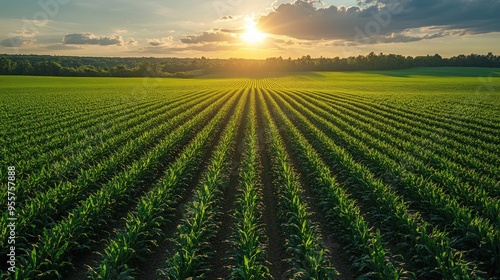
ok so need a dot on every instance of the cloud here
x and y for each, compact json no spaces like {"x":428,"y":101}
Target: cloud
{"x":161,"y":42}
{"x":211,"y":47}
{"x":131,"y":42}
{"x":381,"y":20}
{"x":302,"y":20}
{"x":121,"y":31}
{"x":227,"y":30}
{"x":19,"y":39}
{"x":88,"y":38}
{"x":61,"y":46}
{"x":209,"y":37}
{"x":283,"y":42}
{"x":408,"y":36}
{"x":226,"y":17}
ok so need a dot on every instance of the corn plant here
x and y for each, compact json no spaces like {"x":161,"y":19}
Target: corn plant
{"x":248,"y":242}
{"x":200,"y":223}
{"x":49,"y":205}
{"x":384,"y":150}
{"x":433,"y":200}
{"x":478,"y":157}
{"x":391,"y":208}
{"x":371,"y":258}
{"x":308,"y":257}
{"x":143,"y":226}
{"x":76,"y":231}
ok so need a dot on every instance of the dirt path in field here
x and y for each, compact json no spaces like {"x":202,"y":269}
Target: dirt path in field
{"x":222,"y":248}
{"x":339,"y":260}
{"x":275,"y":250}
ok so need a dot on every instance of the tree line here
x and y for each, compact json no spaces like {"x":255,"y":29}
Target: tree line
{"x":44,"y":65}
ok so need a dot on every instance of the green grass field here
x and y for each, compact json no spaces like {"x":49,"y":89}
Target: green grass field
{"x":321,"y":175}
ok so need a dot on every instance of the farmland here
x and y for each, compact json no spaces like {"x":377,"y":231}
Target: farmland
{"x":316,"y":175}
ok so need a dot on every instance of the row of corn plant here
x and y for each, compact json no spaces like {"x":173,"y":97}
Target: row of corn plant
{"x":46,"y":207}
{"x":65,"y":126}
{"x":384,"y":148}
{"x":98,"y":147}
{"x":50,"y":111}
{"x":461,"y":132}
{"x":432,"y":250}
{"x":82,"y":138}
{"x":476,"y":127}
{"x":51,"y":254}
{"x":308,"y":257}
{"x":32,"y":152}
{"x":479,"y":123}
{"x":435,"y":154}
{"x":474,"y":233}
{"x":144,"y":225}
{"x":38,"y":162}
{"x":343,"y":215}
{"x":453,"y":140}
{"x":49,"y":122}
{"x":248,"y":239}
{"x":201,"y":219}
{"x":62,"y":135}
{"x":390,"y":155}
{"x":432,"y":153}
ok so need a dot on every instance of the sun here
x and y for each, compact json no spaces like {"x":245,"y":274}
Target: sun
{"x":251,"y":34}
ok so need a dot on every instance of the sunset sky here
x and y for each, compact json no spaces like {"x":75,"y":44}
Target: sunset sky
{"x":249,"y":29}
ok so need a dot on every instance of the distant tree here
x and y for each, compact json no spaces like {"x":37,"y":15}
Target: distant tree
{"x":89,"y":70}
{"x":47,"y":68}
{"x":163,"y":67}
{"x":7,"y":66}
{"x":24,"y":67}
{"x":120,"y":71}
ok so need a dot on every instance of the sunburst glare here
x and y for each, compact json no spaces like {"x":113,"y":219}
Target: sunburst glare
{"x":252,"y":34}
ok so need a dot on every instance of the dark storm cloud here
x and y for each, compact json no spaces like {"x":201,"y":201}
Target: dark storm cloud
{"x":91,"y":39}
{"x":208,"y":37}
{"x":382,"y":20}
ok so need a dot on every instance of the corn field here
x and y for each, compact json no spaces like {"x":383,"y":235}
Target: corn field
{"x":250,"y":178}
